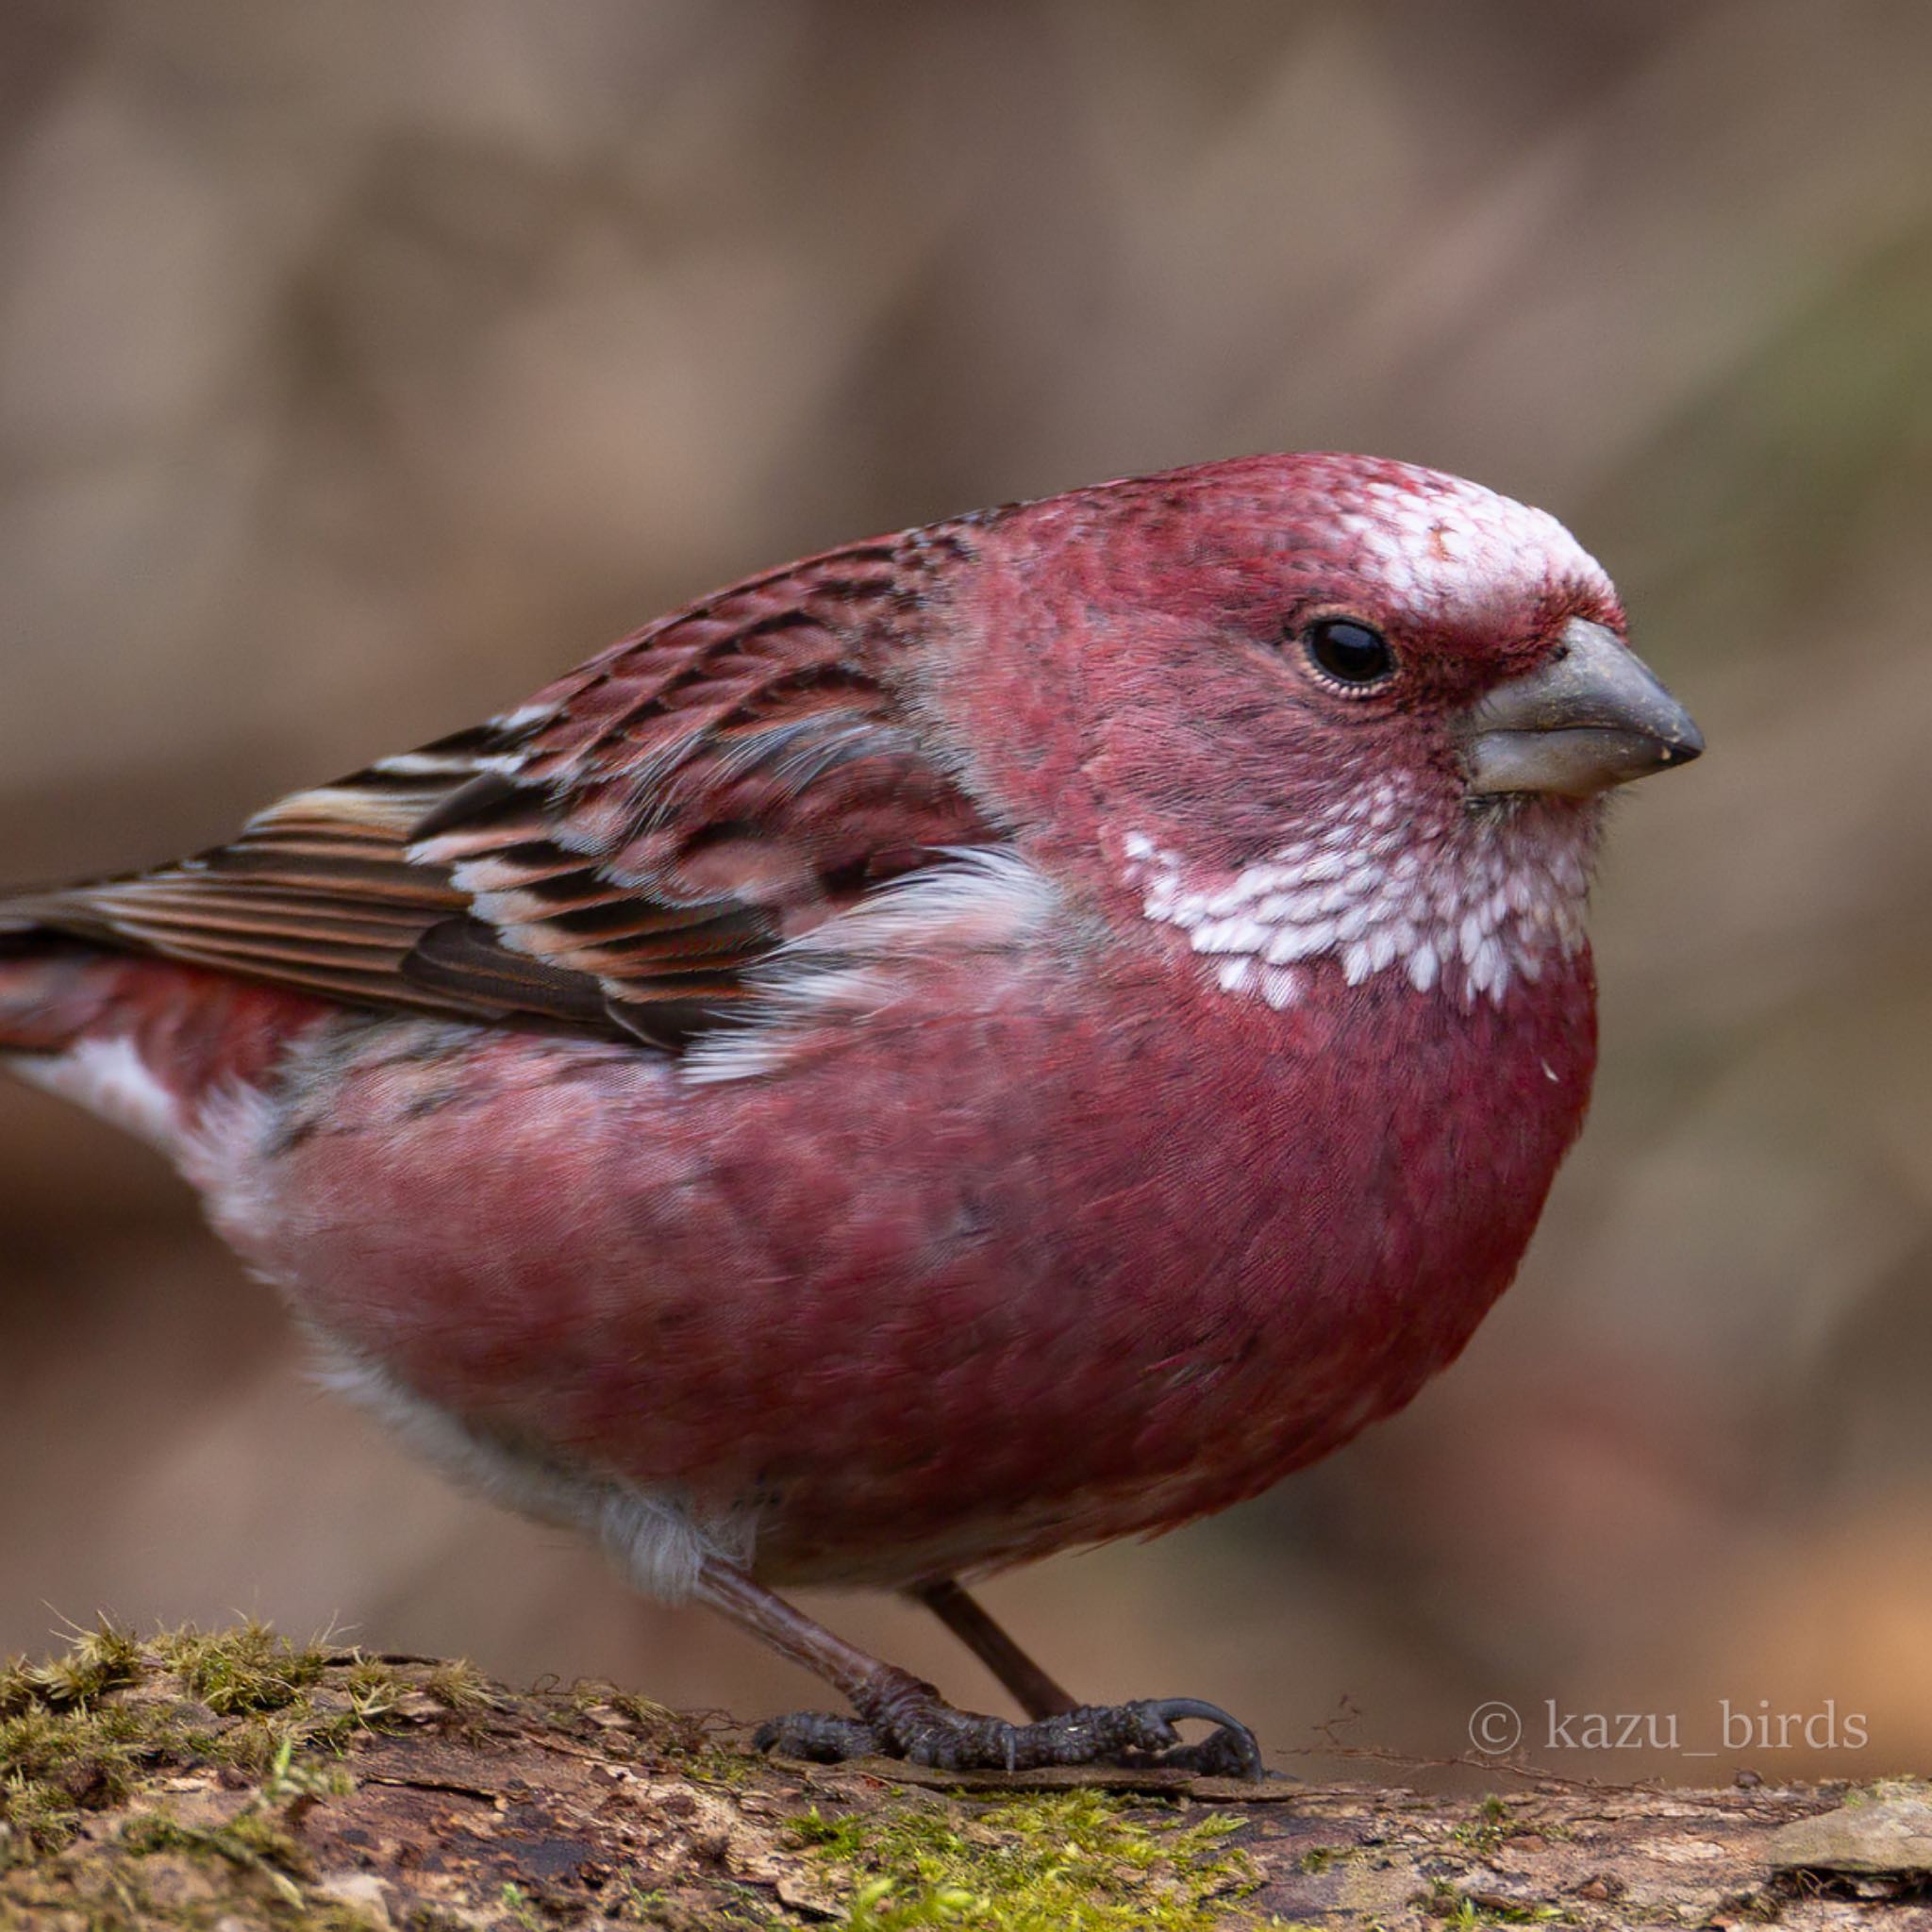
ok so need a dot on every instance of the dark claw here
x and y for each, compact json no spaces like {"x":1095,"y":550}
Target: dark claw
{"x":907,"y":1719}
{"x":1230,"y":1752}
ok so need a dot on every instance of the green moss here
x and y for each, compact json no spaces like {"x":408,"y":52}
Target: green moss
{"x":1452,"y":1906}
{"x":61,"y":1755}
{"x":1032,"y":1864}
{"x":243,"y":1671}
{"x":1487,"y":1830}
{"x":258,"y":1840}
{"x":71,"y":1743}
{"x":95,"y":1727}
{"x":96,"y":1662}
{"x":460,"y":1688}
{"x":750,"y":1910}
{"x":34,"y":1818}
{"x":1319,"y":1858}
{"x":1886,"y":1791}
{"x":251,"y":1840}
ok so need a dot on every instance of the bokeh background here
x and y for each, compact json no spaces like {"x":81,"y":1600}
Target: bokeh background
{"x":362,"y":365}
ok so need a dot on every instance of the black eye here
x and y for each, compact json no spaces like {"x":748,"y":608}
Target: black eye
{"x":1348,"y":653}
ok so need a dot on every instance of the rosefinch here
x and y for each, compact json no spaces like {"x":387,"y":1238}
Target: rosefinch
{"x":989,"y":1039}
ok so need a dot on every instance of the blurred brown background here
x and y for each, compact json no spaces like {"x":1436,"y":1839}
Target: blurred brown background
{"x":362,"y":365}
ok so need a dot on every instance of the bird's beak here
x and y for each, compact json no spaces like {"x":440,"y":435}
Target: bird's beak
{"x":1593,"y":717}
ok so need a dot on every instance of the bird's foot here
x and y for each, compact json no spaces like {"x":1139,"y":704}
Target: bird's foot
{"x":902,"y":1717}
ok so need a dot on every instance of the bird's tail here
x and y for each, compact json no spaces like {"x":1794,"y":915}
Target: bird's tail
{"x":52,"y":990}
{"x":140,"y":1040}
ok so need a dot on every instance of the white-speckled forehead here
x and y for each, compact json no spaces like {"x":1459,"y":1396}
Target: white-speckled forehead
{"x":1439,"y":542}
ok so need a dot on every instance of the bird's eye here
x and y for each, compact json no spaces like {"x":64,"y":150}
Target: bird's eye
{"x":1348,"y":653}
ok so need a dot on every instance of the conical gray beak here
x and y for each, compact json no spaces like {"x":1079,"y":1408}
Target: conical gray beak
{"x":1593,"y":717}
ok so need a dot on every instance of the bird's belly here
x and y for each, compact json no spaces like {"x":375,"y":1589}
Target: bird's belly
{"x":915,"y":1531}
{"x":997,"y":1286}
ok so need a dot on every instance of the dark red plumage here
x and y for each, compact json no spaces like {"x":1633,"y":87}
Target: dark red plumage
{"x":989,"y":1039}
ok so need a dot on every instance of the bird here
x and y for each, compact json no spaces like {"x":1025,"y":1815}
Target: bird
{"x":982,"y":1041}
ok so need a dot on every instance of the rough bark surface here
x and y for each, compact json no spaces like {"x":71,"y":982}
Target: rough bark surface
{"x":233,"y":1781}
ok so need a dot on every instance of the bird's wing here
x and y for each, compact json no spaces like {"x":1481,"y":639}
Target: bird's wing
{"x":617,"y":853}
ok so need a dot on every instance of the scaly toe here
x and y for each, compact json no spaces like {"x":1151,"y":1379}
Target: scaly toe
{"x":911,"y":1721}
{"x":817,"y":1736}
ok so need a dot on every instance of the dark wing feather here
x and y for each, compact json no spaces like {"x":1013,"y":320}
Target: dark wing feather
{"x":617,"y":852}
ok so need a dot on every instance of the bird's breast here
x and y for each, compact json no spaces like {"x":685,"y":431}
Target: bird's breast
{"x":1025,"y":1259}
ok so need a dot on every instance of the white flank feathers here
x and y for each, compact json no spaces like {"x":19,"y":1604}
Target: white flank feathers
{"x":106,"y":1075}
{"x":653,"y":1536}
{"x":981,"y":900}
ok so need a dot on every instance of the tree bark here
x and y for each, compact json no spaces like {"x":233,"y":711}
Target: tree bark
{"x":236,"y":1782}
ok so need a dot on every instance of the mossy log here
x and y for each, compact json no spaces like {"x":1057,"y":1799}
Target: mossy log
{"x":235,"y":1781}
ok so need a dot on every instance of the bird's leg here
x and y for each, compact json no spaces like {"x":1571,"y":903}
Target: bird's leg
{"x":900,"y":1716}
{"x":1037,"y":1694}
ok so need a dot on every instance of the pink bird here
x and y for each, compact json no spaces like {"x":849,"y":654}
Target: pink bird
{"x":1004,"y":1036}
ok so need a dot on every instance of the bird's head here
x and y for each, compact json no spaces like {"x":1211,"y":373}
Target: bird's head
{"x":1308,"y":708}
